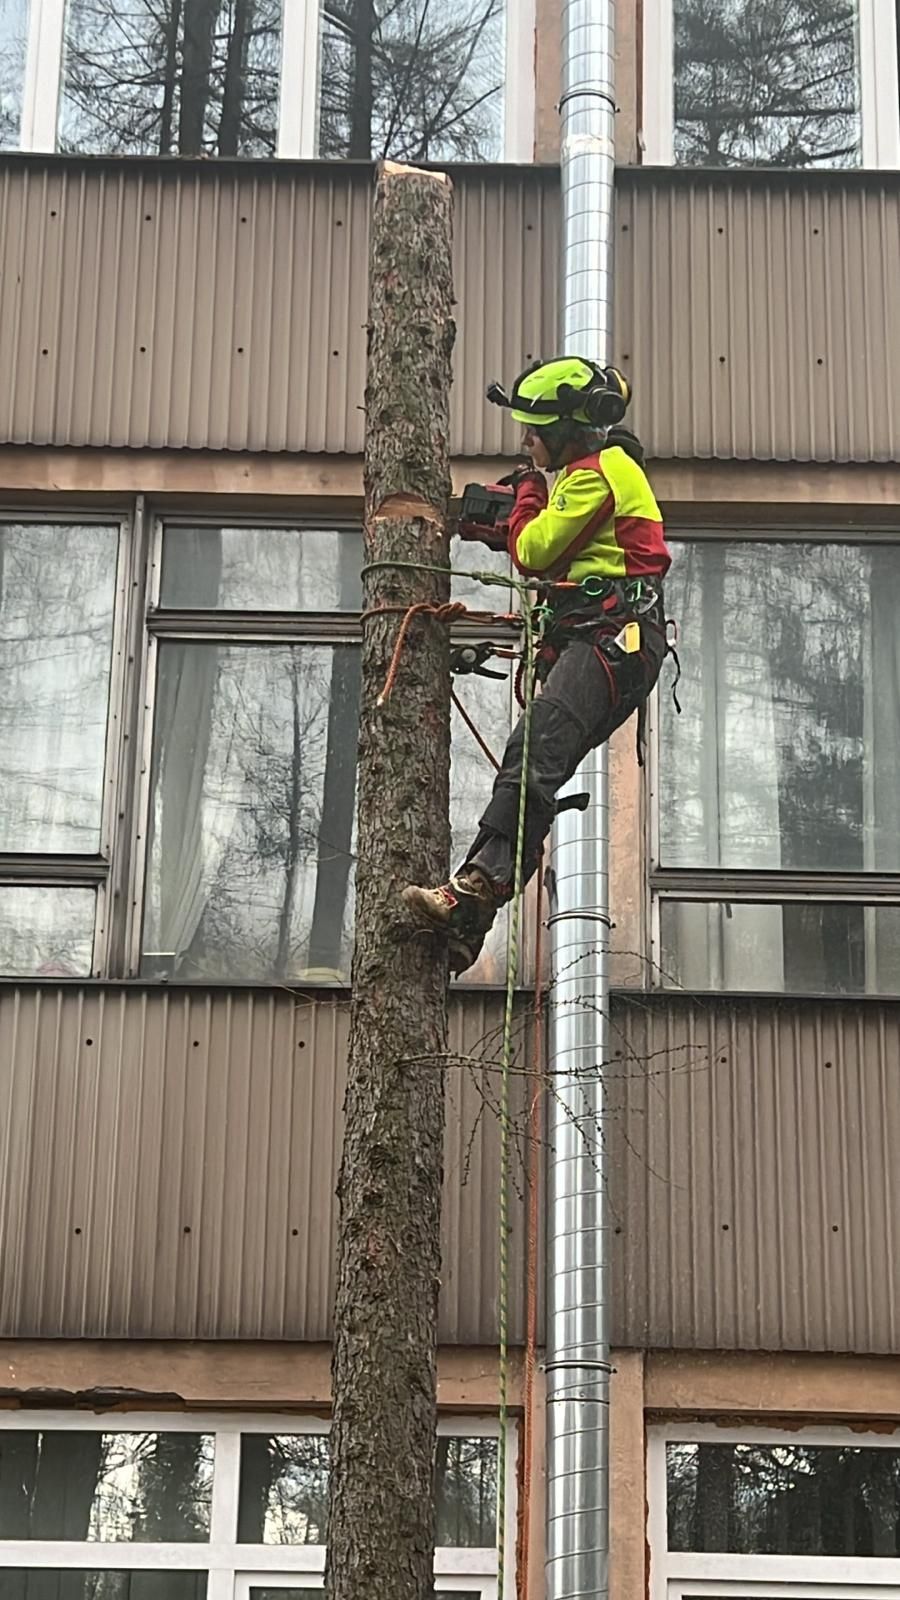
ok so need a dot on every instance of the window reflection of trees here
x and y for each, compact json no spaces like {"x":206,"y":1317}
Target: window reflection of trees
{"x":105,"y":1487}
{"x":766,"y":83}
{"x":284,"y":1490}
{"x":786,"y":757}
{"x":784,"y":1499}
{"x":419,"y":80}
{"x":252,"y":824}
{"x":171,"y":77}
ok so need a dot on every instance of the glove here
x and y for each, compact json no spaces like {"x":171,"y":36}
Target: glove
{"x":476,"y":533}
{"x":522,"y":472}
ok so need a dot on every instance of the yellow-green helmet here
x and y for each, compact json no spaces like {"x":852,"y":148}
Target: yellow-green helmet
{"x":569,"y":388}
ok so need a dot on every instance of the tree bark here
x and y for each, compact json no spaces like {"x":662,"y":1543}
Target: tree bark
{"x":381,"y":1514}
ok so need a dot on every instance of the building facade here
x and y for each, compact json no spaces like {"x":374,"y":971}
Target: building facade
{"x":185,"y":193}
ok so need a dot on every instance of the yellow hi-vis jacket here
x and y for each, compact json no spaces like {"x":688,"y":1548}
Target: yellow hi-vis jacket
{"x":600,"y":519}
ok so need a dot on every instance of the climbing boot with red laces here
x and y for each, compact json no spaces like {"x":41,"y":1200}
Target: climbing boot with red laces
{"x":464,"y":909}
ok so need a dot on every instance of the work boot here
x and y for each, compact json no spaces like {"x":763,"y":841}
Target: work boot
{"x":464,"y":909}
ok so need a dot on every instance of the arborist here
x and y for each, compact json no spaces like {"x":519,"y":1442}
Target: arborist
{"x":595,"y":547}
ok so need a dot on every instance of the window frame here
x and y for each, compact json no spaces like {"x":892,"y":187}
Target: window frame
{"x":230,"y":1565}
{"x":878,"y":89}
{"x":63,"y":869}
{"x":296,"y":130}
{"x":676,"y":1574}
{"x":748,"y":885}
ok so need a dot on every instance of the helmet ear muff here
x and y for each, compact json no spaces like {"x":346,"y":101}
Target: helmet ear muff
{"x":604,"y":401}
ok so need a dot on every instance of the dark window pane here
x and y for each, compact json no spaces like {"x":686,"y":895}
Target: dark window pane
{"x":285,"y":1594}
{"x":808,"y":947}
{"x":252,"y":828}
{"x":284,"y":1490}
{"x":46,"y":932}
{"x":420,"y":80}
{"x":262,"y":569}
{"x":466,"y":1492}
{"x":784,"y":1499}
{"x":181,"y":77}
{"x":106,"y":1487}
{"x":13,"y":35}
{"x":48,"y":1584}
{"x":786,"y":755}
{"x":57,"y":596}
{"x":766,"y":83}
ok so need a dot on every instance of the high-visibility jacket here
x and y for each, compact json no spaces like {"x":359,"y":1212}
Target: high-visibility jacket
{"x":600,"y":519}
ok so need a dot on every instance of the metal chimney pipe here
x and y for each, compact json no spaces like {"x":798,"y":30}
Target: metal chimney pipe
{"x":578,"y":1318}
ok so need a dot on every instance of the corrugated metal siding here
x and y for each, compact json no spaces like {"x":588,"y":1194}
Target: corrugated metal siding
{"x":168,"y":1163}
{"x":756,"y":1178}
{"x":224,"y":307}
{"x":759,"y":314}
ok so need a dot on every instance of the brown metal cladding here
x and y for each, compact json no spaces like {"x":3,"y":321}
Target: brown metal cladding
{"x":169,"y":1162}
{"x":755,"y":1174}
{"x":223,"y":306}
{"x":759,"y":313}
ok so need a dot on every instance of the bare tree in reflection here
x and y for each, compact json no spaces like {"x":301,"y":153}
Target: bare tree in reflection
{"x":418,"y":80}
{"x":766,"y":83}
{"x":185,"y":77}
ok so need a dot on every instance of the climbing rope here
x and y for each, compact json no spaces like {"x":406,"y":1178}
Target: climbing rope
{"x":533,"y":622}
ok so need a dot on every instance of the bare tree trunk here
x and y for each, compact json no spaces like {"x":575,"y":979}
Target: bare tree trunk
{"x":339,"y":787}
{"x":381,"y":1513}
{"x":295,"y":838}
{"x":166,"y":120}
{"x":361,"y":82}
{"x":235,"y":69}
{"x":199,"y":22}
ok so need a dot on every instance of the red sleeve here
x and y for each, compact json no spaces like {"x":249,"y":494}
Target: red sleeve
{"x":531,"y":498}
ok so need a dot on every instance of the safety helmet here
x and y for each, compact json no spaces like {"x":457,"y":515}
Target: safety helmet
{"x":570,"y":388}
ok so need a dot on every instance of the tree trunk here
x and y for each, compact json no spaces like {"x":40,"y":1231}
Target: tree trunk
{"x":326,"y":940}
{"x":170,"y":70}
{"x":381,"y":1514}
{"x":235,"y":73}
{"x":196,"y":77}
{"x":360,"y":147}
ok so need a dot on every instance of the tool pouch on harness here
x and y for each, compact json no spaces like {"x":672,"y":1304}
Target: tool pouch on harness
{"x":624,"y":620}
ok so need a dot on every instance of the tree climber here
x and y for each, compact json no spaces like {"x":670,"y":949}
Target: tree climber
{"x":595,"y":548}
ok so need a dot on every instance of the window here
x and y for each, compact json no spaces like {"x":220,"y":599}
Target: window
{"x":13,"y":34}
{"x":224,"y":794}
{"x":171,"y":79}
{"x":60,"y":591}
{"x":251,"y":823}
{"x":757,"y":1511}
{"x":777,"y":849}
{"x":418,"y":79}
{"x":185,"y":1507}
{"x":791,"y":83}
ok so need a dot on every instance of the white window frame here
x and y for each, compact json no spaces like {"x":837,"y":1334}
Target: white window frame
{"x":232,"y":1567}
{"x":298,"y":92}
{"x":880,"y":106}
{"x":677,"y":1574}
